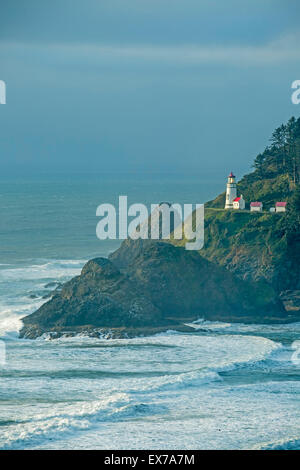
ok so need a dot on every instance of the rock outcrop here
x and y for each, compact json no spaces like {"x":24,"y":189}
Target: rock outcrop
{"x":162,"y":287}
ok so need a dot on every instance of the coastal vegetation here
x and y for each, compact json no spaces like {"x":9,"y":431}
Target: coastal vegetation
{"x":262,"y":245}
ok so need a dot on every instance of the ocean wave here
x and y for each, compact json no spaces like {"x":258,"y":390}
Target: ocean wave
{"x":11,"y":318}
{"x":193,"y":363}
{"x":73,"y":419}
{"x":292,"y":443}
{"x":178,"y":382}
{"x":53,"y":269}
{"x":67,"y":420}
{"x":202,"y":324}
{"x":18,"y":283}
{"x":205,"y":357}
{"x":244,"y":327}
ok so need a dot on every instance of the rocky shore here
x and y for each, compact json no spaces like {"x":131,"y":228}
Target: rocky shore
{"x":161,"y":288}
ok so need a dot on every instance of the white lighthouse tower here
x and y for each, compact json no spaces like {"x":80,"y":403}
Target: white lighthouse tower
{"x":230,"y":191}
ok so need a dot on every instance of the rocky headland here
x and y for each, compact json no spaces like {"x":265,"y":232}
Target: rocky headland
{"x":163,"y":288}
{"x":248,"y":270}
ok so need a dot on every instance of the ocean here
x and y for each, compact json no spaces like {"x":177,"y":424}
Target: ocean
{"x":224,"y":386}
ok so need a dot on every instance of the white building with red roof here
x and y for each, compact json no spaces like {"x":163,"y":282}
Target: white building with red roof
{"x":280,"y":206}
{"x":239,"y":203}
{"x":256,"y":206}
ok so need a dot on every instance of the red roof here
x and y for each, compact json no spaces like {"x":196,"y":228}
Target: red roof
{"x":231,"y":175}
{"x":256,"y":204}
{"x":237,"y":199}
{"x":280,"y":204}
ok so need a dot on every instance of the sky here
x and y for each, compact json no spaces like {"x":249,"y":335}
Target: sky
{"x":144,"y":85}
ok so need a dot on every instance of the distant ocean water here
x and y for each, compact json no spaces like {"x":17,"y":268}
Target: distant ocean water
{"x":233,"y":386}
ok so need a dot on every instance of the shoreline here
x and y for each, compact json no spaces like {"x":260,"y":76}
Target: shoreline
{"x":33,"y":332}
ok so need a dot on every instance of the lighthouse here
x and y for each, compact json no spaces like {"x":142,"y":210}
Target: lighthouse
{"x":230,"y":191}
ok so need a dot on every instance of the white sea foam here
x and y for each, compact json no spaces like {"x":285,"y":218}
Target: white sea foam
{"x":66,"y":419}
{"x":16,"y":283}
{"x":55,"y":269}
{"x":68,"y":390}
{"x":208,"y":325}
{"x":11,"y":318}
{"x":182,"y":360}
{"x":186,"y":395}
{"x":291,"y":443}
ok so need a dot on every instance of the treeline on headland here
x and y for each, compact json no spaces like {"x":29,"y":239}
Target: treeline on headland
{"x":276,"y":174}
{"x":282,"y":156}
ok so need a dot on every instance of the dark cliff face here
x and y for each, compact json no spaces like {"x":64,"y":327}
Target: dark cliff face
{"x":161,"y":287}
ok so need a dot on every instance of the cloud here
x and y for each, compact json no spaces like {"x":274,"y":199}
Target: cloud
{"x":282,"y":50}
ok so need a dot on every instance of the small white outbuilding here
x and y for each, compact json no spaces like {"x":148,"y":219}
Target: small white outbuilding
{"x":256,"y":206}
{"x":239,"y":203}
{"x":280,"y":206}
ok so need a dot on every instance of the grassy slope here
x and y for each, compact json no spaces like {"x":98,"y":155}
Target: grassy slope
{"x":249,"y":244}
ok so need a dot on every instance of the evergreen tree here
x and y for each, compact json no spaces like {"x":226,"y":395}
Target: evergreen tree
{"x":259,"y":165}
